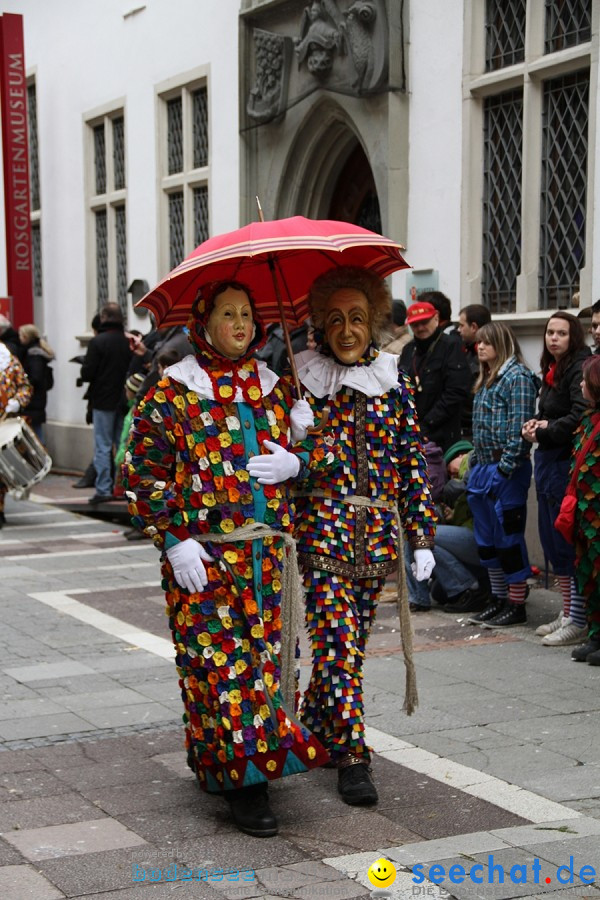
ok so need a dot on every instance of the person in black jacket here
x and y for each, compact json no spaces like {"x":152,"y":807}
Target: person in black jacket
{"x":36,"y":361}
{"x":470,"y":319}
{"x":105,"y":367}
{"x":10,"y":337}
{"x":561,"y":405}
{"x":438,"y":369}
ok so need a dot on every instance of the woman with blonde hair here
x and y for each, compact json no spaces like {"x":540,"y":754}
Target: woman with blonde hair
{"x":36,"y":361}
{"x":505,"y":394}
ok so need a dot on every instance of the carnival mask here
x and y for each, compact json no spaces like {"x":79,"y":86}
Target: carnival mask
{"x":230,"y":325}
{"x":347,"y":325}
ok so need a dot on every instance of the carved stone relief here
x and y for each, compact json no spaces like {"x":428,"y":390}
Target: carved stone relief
{"x":268,"y":95}
{"x":340,"y":45}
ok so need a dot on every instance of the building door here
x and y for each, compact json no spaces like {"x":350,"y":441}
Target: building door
{"x":354,"y":197}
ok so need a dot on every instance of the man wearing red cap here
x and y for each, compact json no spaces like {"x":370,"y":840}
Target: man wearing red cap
{"x":438,"y":369}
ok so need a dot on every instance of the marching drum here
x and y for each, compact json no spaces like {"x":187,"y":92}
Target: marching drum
{"x":23,"y":459}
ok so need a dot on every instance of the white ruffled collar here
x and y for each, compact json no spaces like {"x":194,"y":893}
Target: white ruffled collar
{"x":5,"y":357}
{"x":187,"y":371}
{"x":323,"y":376}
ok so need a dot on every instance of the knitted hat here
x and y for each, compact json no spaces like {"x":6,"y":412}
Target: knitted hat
{"x":134,"y":382}
{"x":456,"y":449}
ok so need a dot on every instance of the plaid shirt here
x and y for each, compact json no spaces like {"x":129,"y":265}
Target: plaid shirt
{"x":499,"y":412}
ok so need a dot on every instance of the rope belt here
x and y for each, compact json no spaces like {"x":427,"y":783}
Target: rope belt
{"x":292,"y":596}
{"x":411,"y":697}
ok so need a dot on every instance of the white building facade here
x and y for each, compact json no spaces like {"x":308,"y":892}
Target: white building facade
{"x":469,"y":131}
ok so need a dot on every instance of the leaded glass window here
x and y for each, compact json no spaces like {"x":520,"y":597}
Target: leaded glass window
{"x":101,"y":258}
{"x":503,"y":165}
{"x":121,"y":256}
{"x":175,"y":135}
{"x":504,"y":33}
{"x":36,"y":247}
{"x":118,"y":126}
{"x":176,"y":229}
{"x":568,"y":22}
{"x":200,"y":214}
{"x":200,"y":130}
{"x":34,"y":160}
{"x":563,"y":206}
{"x":100,"y":159}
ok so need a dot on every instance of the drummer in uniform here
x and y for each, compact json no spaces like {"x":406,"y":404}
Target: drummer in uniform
{"x":15,"y":393}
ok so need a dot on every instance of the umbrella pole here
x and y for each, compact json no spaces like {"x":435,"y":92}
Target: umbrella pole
{"x":286,"y":333}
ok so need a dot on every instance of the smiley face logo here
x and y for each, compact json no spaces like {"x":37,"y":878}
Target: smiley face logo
{"x":381,"y":873}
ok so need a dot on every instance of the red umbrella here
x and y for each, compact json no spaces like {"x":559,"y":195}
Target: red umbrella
{"x":278,"y":260}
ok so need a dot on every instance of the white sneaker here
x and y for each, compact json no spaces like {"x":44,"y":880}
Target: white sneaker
{"x":551,"y":627}
{"x":567,"y":634}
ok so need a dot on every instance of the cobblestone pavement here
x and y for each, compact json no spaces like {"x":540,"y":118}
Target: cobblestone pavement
{"x":499,"y":766}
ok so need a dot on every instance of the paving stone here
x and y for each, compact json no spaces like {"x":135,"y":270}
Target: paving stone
{"x":24,"y":785}
{"x":54,"y":841}
{"x":143,"y":712}
{"x":9,"y":855}
{"x":63,"y":723}
{"x":169,"y":827}
{"x":92,"y":873}
{"x":584,"y":850}
{"x":60,"y":669}
{"x":21,"y":882}
{"x":138,"y":797}
{"x":566,"y":783}
{"x":87,"y":779}
{"x":229,"y":847}
{"x":11,"y":761}
{"x":40,"y":811}
{"x":460,"y":815}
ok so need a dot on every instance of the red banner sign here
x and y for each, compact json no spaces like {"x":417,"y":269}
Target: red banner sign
{"x":13,"y":97}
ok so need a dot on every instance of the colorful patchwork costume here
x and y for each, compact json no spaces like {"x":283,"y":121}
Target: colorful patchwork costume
{"x":13,"y":384}
{"x":185,"y":475}
{"x":587,"y":522}
{"x":346,"y":550}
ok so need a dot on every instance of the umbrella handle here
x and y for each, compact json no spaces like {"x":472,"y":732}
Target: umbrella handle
{"x":324,"y":419}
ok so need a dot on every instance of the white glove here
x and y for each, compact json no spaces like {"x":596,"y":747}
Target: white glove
{"x":188,"y":568}
{"x":423,"y":565}
{"x":278,"y":466}
{"x":13,"y":405}
{"x":301,"y":419}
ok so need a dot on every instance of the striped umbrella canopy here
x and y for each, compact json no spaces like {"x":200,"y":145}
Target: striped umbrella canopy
{"x":278,"y":260}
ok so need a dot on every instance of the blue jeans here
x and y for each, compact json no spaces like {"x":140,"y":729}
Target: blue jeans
{"x":457,"y":565}
{"x":551,"y":479}
{"x":107,"y":425}
{"x":499,"y":510}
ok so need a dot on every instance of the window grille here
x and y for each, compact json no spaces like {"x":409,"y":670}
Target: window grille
{"x":101,"y":258}
{"x":504,"y":33}
{"x":100,"y":159}
{"x":34,"y":160}
{"x":568,"y":22}
{"x":563,"y":198}
{"x":175,"y":135}
{"x":118,"y":127}
{"x":503,"y":165}
{"x":200,"y":214}
{"x":121,"y":256}
{"x":176,"y":229}
{"x":36,"y":247}
{"x":200,"y":136}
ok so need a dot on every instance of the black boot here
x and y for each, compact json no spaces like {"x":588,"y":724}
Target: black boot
{"x":355,"y":783}
{"x":581,"y":652}
{"x":251,"y":812}
{"x":2,"y":519}
{"x":88,"y":479}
